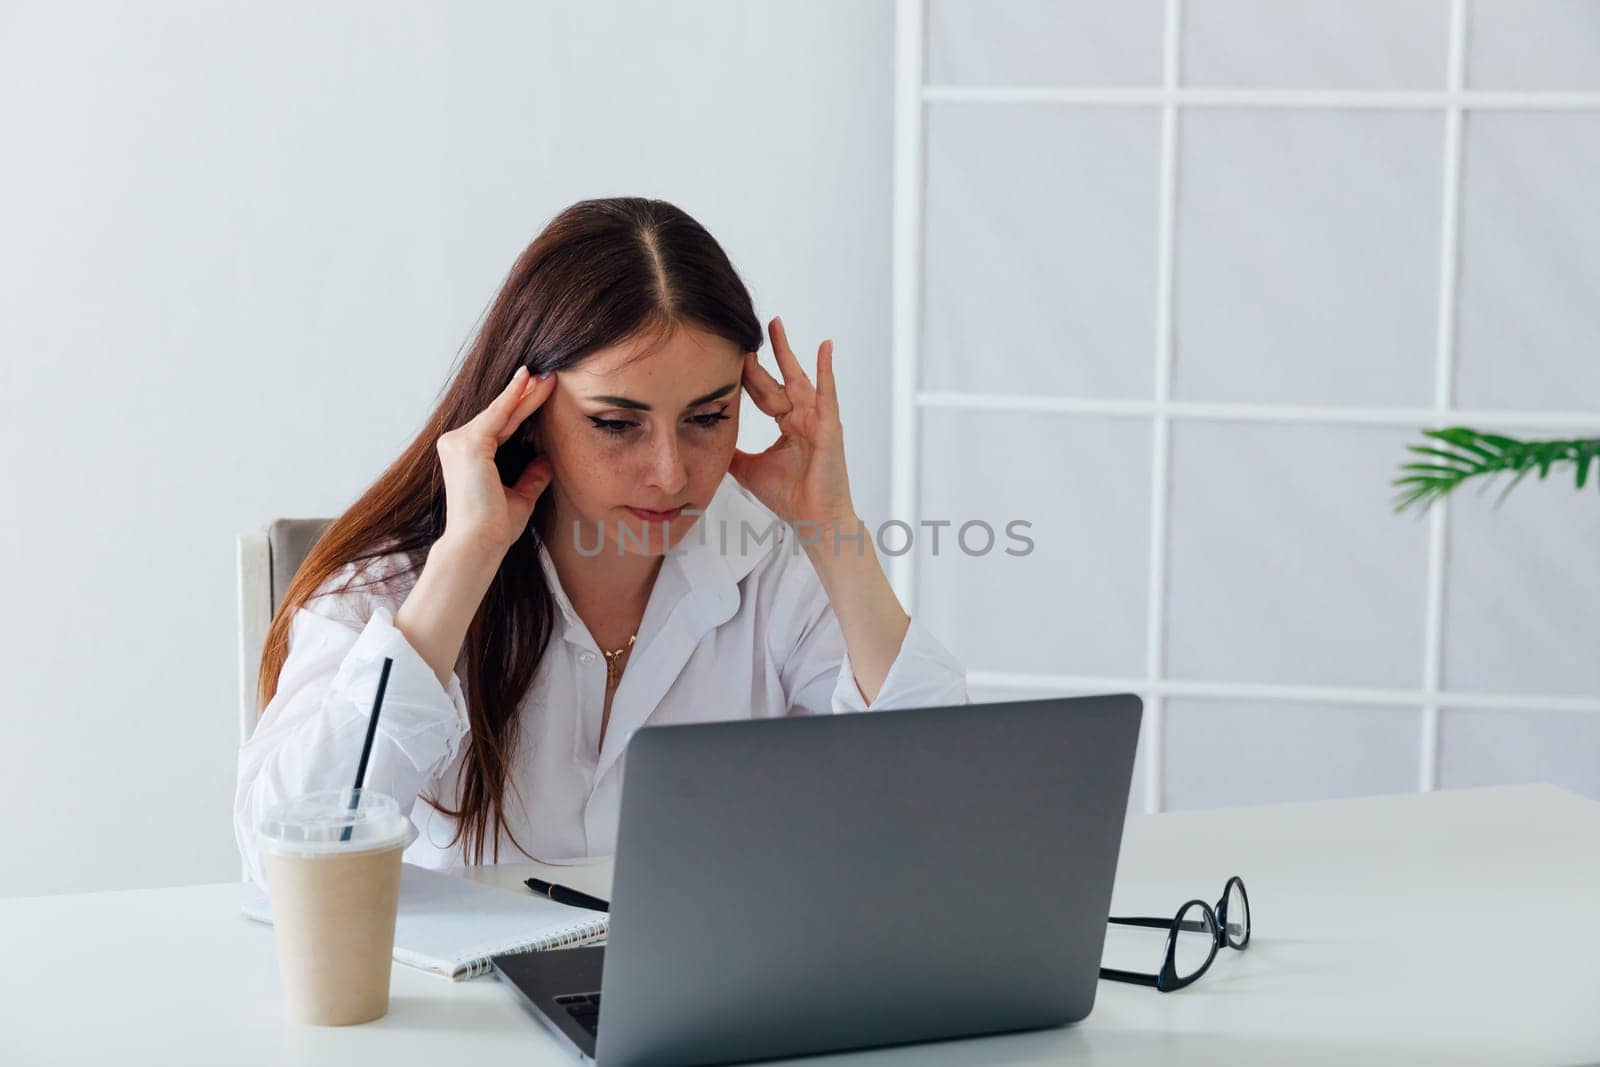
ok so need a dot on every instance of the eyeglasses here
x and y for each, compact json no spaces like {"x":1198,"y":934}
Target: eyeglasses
{"x":1188,"y":956}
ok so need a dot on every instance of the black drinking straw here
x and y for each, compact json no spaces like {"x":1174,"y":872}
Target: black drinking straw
{"x":366,"y":746}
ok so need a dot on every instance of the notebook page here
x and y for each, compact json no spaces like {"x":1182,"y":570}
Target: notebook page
{"x":451,"y":926}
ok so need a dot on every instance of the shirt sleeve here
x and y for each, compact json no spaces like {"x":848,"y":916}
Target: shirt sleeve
{"x":816,"y":671}
{"x":310,"y":734}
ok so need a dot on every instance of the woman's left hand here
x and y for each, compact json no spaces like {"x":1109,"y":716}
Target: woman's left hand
{"x":801,"y":477}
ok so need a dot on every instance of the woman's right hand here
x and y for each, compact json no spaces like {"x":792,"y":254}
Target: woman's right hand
{"x":480,"y":512}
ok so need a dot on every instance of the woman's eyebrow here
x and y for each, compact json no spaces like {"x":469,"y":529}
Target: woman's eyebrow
{"x":636,"y":405}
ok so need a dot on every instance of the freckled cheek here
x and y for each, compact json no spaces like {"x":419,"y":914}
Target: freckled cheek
{"x":584,"y":462}
{"x":715,"y":449}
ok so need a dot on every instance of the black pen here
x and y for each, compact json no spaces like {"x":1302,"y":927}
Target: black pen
{"x":562,"y":895}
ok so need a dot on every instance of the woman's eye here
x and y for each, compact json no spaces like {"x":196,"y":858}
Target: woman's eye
{"x":617,"y":427}
{"x":709,"y":422}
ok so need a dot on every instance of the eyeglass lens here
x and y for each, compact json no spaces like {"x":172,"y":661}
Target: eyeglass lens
{"x":1237,"y":908}
{"x":1194,"y":939}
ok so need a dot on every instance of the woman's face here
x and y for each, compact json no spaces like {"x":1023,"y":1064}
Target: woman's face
{"x":656,"y":433}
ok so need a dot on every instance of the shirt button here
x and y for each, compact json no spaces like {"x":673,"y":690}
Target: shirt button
{"x":586,"y":657}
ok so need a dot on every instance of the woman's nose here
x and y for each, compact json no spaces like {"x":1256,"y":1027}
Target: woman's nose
{"x":667,"y":472}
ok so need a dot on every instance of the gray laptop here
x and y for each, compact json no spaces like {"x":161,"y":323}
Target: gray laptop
{"x":820,"y":883}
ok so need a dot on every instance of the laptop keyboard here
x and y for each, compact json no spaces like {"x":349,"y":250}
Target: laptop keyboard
{"x":584,"y":1009}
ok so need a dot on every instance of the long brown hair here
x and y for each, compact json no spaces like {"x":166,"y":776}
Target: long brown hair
{"x":601,"y":273}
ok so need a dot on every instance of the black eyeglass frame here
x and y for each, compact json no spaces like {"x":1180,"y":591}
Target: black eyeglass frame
{"x":1215,"y":921}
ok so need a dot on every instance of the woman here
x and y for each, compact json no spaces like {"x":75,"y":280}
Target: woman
{"x":564,"y":555}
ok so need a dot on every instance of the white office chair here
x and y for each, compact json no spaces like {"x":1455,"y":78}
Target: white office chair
{"x":267,"y":563}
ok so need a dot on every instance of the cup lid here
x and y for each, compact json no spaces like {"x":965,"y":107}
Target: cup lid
{"x":315,"y":823}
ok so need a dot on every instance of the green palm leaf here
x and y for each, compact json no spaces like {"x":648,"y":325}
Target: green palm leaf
{"x":1457,"y":453}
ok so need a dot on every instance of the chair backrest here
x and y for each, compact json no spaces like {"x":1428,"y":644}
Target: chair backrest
{"x":267,"y":564}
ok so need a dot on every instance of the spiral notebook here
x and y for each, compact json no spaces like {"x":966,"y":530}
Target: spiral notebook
{"x":450,"y":926}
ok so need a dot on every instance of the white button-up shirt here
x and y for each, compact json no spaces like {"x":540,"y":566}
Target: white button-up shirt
{"x":735,"y":627}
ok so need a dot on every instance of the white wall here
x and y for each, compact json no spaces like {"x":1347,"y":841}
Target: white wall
{"x":1194,"y":273}
{"x":243,"y":244}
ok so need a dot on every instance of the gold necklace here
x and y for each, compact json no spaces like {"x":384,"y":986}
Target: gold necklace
{"x":611,"y":662}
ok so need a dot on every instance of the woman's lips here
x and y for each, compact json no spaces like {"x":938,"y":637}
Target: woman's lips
{"x":656,"y":516}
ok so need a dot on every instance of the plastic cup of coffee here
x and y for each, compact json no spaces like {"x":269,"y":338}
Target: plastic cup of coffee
{"x":334,"y":896}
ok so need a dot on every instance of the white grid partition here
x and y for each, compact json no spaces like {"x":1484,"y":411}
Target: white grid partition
{"x":1172,"y":98}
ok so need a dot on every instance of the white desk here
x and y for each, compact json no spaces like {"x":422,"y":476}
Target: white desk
{"x":1450,"y":927}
